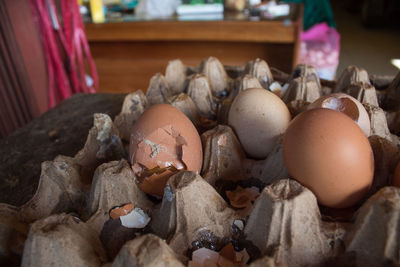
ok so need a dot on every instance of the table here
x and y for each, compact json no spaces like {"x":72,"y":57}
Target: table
{"x":128,"y":53}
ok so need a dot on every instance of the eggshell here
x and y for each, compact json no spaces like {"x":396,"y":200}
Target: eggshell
{"x":163,"y":141}
{"x":117,"y":212}
{"x":327,"y":152}
{"x":348,"y":105}
{"x":258,"y":117}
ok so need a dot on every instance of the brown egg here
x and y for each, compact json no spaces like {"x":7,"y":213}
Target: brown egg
{"x":328,"y":153}
{"x":259,"y":118}
{"x":163,"y":142}
{"x":348,"y":105}
{"x":396,"y":176}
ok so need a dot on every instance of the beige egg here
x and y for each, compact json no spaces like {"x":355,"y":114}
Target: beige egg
{"x":328,"y":153}
{"x":347,"y":105}
{"x":259,"y":118}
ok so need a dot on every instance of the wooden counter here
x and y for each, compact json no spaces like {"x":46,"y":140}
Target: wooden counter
{"x":127,"y":54}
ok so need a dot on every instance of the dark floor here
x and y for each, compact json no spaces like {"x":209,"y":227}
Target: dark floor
{"x":371,"y":49}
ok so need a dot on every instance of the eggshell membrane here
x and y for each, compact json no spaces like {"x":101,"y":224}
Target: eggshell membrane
{"x":163,"y":139}
{"x":328,"y":153}
{"x":348,"y":105}
{"x":259,"y":118}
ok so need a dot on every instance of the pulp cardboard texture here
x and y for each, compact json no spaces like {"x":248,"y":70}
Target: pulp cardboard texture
{"x":67,"y":221}
{"x":134,"y":105}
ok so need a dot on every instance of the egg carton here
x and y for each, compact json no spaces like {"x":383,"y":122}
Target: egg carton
{"x":68,"y":221}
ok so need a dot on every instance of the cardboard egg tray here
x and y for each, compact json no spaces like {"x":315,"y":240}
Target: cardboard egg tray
{"x":67,"y":222}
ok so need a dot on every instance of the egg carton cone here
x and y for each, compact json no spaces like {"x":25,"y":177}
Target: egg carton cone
{"x":13,"y":233}
{"x":191,"y":208}
{"x":175,"y":74}
{"x":392,"y":99}
{"x":147,"y":250}
{"x":224,"y":159}
{"x":363,"y":92}
{"x":113,"y":185}
{"x":301,"y":91}
{"x":103,"y":144}
{"x":88,"y":209}
{"x":199,"y":90}
{"x":378,"y":120}
{"x":213,"y":69}
{"x":134,"y":105}
{"x":393,"y":120}
{"x":158,"y":90}
{"x":259,"y":69}
{"x":352,"y":74}
{"x":61,"y":188}
{"x":307,"y":71}
{"x":286,"y":225}
{"x":246,"y":82}
{"x":62,"y":240}
{"x":386,"y":156}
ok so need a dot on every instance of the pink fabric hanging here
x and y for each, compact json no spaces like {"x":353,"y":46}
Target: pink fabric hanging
{"x":66,"y":49}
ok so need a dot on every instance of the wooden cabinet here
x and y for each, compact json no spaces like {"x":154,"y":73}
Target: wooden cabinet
{"x":127,"y":54}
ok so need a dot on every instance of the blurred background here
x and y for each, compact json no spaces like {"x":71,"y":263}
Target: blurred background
{"x":52,"y":49}
{"x":370,"y":34}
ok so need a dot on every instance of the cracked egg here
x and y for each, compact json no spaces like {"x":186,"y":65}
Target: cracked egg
{"x":163,"y":142}
{"x":348,"y":105}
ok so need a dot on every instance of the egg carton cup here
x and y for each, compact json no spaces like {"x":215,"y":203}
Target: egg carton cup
{"x":68,"y":223}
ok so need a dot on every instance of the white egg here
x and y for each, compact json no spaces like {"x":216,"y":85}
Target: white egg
{"x":259,"y":117}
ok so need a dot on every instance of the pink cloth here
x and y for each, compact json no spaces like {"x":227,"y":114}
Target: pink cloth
{"x":66,"y":49}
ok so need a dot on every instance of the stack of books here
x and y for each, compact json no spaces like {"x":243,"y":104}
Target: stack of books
{"x":200,"y":7}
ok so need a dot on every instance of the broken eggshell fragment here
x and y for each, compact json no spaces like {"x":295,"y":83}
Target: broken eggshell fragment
{"x":347,"y":105}
{"x":136,"y":218}
{"x":117,"y":212}
{"x":163,"y":142}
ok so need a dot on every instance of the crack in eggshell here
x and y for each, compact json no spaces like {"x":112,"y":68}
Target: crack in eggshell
{"x":160,"y":154}
{"x":155,"y":148}
{"x":163,"y":148}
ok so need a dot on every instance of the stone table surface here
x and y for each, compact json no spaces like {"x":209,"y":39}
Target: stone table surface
{"x":61,"y":130}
